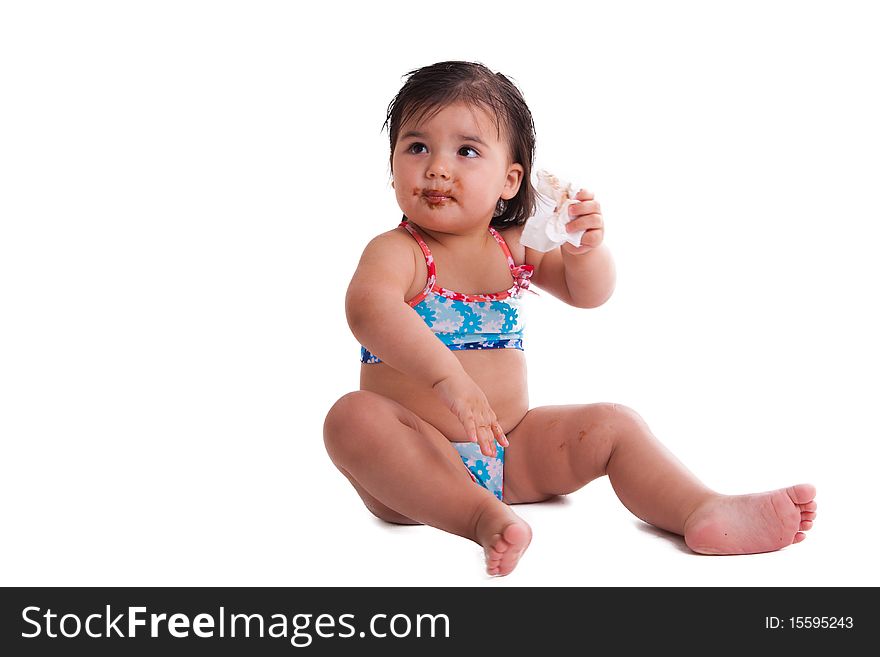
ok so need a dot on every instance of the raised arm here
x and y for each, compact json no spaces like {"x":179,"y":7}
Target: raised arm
{"x":582,"y":280}
{"x":581,"y":276}
{"x":384,"y":323}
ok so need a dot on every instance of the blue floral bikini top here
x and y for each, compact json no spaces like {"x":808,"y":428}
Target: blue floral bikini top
{"x":469,"y":321}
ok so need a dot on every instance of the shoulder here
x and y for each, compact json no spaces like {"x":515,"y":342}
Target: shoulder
{"x":394,"y":239}
{"x":391,"y":258}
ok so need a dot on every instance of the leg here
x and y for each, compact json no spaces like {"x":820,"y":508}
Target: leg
{"x":407,"y":472}
{"x":557,"y":449}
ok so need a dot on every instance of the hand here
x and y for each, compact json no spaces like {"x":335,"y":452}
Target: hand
{"x":469,"y":404}
{"x":586,"y":215}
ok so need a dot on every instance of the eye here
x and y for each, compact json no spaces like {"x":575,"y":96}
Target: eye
{"x":416,"y":148}
{"x":465,"y":150}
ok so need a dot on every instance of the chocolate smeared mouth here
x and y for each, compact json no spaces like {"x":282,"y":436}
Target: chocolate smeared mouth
{"x":437,"y":196}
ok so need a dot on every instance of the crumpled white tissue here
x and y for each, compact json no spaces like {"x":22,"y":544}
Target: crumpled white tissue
{"x":545,"y":229}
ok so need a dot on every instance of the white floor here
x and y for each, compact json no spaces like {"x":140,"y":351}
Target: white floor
{"x":584,"y":539}
{"x":589,"y":539}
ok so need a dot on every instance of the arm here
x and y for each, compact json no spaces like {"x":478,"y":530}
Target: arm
{"x":580,"y":276}
{"x":384,"y":323}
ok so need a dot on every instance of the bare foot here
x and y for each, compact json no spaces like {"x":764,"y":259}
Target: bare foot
{"x":504,"y":537}
{"x":747,"y":524}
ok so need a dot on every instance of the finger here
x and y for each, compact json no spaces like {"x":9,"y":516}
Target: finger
{"x":487,"y":441}
{"x":584,"y":207}
{"x":485,"y":448}
{"x":588,"y":222}
{"x":470,"y":429}
{"x":592,"y":238}
{"x":584,"y":195}
{"x":499,"y":435}
{"x":589,"y":241}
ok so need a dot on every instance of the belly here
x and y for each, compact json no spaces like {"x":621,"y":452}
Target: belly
{"x":500,"y":373}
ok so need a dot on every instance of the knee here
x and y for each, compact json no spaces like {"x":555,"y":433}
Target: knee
{"x":343,"y":417}
{"x":619,"y":419}
{"x":346,"y":426}
{"x":610,"y":427}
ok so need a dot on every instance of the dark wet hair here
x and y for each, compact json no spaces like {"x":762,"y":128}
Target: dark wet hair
{"x":429,"y":89}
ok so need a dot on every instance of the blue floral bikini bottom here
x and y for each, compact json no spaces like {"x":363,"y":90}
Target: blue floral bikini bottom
{"x":487,"y":471}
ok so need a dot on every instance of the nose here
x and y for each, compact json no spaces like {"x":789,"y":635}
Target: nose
{"x":438,"y":167}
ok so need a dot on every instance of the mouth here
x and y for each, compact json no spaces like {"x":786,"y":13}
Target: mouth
{"x":436,"y":196}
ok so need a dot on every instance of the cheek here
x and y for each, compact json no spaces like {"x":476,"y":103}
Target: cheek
{"x":398,"y":181}
{"x":400,"y":195}
{"x":400,"y":173}
{"x":403,"y":193}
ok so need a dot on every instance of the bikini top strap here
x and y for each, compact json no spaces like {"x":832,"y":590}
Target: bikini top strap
{"x":429,"y":262}
{"x":505,"y":248}
{"x":429,"y":258}
{"x":520,"y":273}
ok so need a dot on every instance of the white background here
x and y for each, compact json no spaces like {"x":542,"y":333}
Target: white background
{"x":185,"y":188}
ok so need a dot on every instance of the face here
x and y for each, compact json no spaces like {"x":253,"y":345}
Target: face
{"x":450,"y":170}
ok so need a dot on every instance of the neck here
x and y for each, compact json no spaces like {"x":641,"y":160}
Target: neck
{"x":472,"y":240}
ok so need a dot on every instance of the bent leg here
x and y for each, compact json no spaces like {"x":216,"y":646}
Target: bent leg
{"x":558,"y":449}
{"x":406,"y":471}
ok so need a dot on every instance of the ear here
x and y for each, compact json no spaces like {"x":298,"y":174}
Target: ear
{"x":512,"y":182}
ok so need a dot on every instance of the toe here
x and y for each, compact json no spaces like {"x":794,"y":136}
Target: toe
{"x":799,"y":537}
{"x":802,"y":493}
{"x":809,"y":506}
{"x":518,"y":535}
{"x":806,"y":524}
{"x":808,"y":516}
